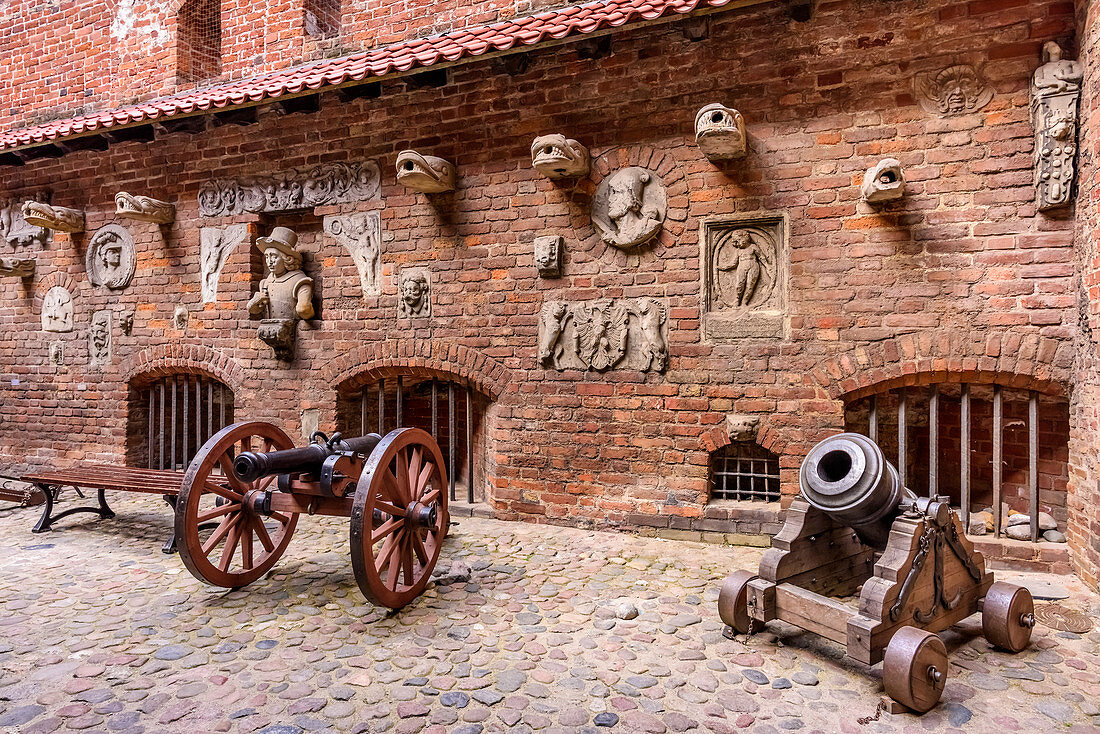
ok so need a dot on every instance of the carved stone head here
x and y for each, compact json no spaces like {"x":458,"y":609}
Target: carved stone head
{"x":720,"y":132}
{"x":741,"y":427}
{"x":629,"y":207}
{"x":111,"y":257}
{"x":126,"y":322}
{"x":180,"y":317}
{"x":280,"y":255}
{"x":883,"y":182}
{"x":414,"y":294}
{"x":144,"y":208}
{"x":548,"y":250}
{"x":60,"y":218}
{"x":425,"y":173}
{"x":556,"y":156}
{"x":956,"y":90}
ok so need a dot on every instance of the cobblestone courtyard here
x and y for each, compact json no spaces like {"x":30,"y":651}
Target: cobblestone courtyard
{"x":102,"y":632}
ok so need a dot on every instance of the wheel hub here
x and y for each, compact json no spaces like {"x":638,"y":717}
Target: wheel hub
{"x":418,"y":515}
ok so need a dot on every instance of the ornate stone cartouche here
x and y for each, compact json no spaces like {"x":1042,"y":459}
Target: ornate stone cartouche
{"x":556,"y":156}
{"x":144,"y":208}
{"x":883,"y":182}
{"x":427,"y":174}
{"x":720,"y":132}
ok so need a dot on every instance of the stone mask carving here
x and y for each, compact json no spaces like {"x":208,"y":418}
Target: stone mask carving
{"x":956,"y":90}
{"x":741,"y":427}
{"x":415,"y":295}
{"x":144,"y":208}
{"x":883,"y":182}
{"x":59,"y":218}
{"x":17,"y":231}
{"x":20,"y":267}
{"x":111,"y":258}
{"x":180,"y":317}
{"x":57,"y":310}
{"x":720,"y":132}
{"x":556,"y":156}
{"x":126,"y":322}
{"x":629,"y":207}
{"x":1055,"y":96}
{"x":285,"y":296}
{"x":427,"y":174}
{"x":548,"y":250}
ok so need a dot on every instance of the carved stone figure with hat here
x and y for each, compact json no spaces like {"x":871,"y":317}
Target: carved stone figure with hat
{"x":285,"y":295}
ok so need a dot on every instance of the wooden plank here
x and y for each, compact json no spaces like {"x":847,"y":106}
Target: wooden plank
{"x":761,"y":600}
{"x":814,"y":612}
{"x":840,"y":577}
{"x":332,"y":506}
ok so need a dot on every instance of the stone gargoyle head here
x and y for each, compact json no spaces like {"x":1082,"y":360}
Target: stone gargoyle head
{"x":720,"y":132}
{"x":57,"y":218}
{"x":883,"y":182}
{"x":425,"y":173}
{"x":556,"y":156}
{"x":144,"y":208}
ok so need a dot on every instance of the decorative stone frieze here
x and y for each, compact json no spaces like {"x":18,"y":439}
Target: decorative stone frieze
{"x":328,"y":183}
{"x":956,"y":90}
{"x":17,"y":231}
{"x":215,"y":244}
{"x":1055,"y":95}
{"x":548,"y":255}
{"x":19,"y":267}
{"x":604,"y":334}
{"x":285,"y":296}
{"x":144,"y":208}
{"x":427,"y":174}
{"x":361,"y":235}
{"x":720,"y":132}
{"x":111,"y":258}
{"x":883,"y":182}
{"x":57,"y":310}
{"x":742,"y":427}
{"x":99,"y":338}
{"x":414,"y":293}
{"x":629,"y":207}
{"x":744,"y":278}
{"x":556,"y":156}
{"x":57,"y":218}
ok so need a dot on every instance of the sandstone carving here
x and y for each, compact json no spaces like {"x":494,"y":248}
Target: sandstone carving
{"x":329,"y":183}
{"x":415,"y":294}
{"x":1055,"y":95}
{"x":556,"y":156}
{"x":215,"y":244}
{"x":741,"y":427}
{"x":144,"y":208}
{"x":629,"y":207}
{"x":99,"y":338}
{"x":548,"y":255}
{"x":361,"y":235}
{"x":285,"y":295}
{"x":883,"y":182}
{"x":20,"y":267}
{"x":111,"y":258}
{"x":17,"y":231}
{"x":425,"y":173}
{"x":58,"y":218}
{"x":180,"y":317}
{"x":744,"y":278}
{"x":126,"y":322}
{"x":720,"y":132}
{"x":57,"y":354}
{"x":605,"y":334}
{"x":57,"y":310}
{"x":956,"y":90}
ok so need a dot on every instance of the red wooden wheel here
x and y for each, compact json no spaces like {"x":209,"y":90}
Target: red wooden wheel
{"x":245,"y":544}
{"x":399,"y":517}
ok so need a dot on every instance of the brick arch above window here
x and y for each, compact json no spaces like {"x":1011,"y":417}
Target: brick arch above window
{"x":169,"y":359}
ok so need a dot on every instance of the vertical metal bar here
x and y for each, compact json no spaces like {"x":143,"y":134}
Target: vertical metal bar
{"x":149,"y":441}
{"x":933,"y":441}
{"x":172,"y":444}
{"x":210,"y":408}
{"x":160,"y":464}
{"x":998,"y":447}
{"x":469,"y":445}
{"x":382,"y":407}
{"x":903,"y":434}
{"x":200,"y":382}
{"x":1033,"y":463}
{"x":873,"y":419}
{"x":435,"y":411}
{"x":363,"y":412}
{"x":186,"y":418}
{"x":451,"y":435}
{"x":964,"y":455}
{"x":221,"y":404}
{"x":400,"y":401}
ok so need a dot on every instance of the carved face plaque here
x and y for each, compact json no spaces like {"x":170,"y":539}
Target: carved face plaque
{"x":956,"y":90}
{"x":99,"y":338}
{"x":883,"y":182}
{"x":556,"y":156}
{"x":629,"y":207}
{"x":57,"y":310}
{"x":720,"y":132}
{"x":415,"y":299}
{"x":548,"y":249}
{"x":111,"y":258}
{"x":741,"y":427}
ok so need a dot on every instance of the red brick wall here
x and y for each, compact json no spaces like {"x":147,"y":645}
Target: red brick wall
{"x":961,"y":276}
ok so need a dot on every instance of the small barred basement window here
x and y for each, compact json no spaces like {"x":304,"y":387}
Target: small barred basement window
{"x":744,"y":471}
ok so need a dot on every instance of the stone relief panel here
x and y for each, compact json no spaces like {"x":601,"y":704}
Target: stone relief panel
{"x":629,"y":207}
{"x":361,"y":235}
{"x":427,"y":174}
{"x":215,"y":244}
{"x":57,"y":353}
{"x":144,"y":208}
{"x":605,"y":334}
{"x":883,"y":182}
{"x":744,"y":278}
{"x":99,"y":338}
{"x":329,"y":183}
{"x":111,"y":258}
{"x":180,"y":317}
{"x":18,"y":267}
{"x":126,"y":322}
{"x":1055,"y":95}
{"x":556,"y":156}
{"x":17,"y":231}
{"x":956,"y":90}
{"x":57,"y":310}
{"x":720,"y":132}
{"x":548,"y":255}
{"x":285,"y":296}
{"x":57,"y":218}
{"x":414,"y":293}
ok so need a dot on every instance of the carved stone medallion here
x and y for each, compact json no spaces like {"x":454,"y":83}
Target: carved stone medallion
{"x":15,"y":230}
{"x":556,"y":156}
{"x":629,"y":207}
{"x":328,"y":183}
{"x":57,"y":218}
{"x":414,"y":293}
{"x":427,"y":174}
{"x":956,"y":90}
{"x":744,"y":278}
{"x":215,"y":244}
{"x":144,"y":208}
{"x":883,"y":182}
{"x":111,"y":258}
{"x":548,"y":255}
{"x":605,"y":334}
{"x":720,"y":132}
{"x":57,"y":310}
{"x":361,"y":235}
{"x":1055,"y":95}
{"x":99,"y":338}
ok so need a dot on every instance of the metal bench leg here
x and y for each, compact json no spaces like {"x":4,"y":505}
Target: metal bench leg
{"x":105,"y":512}
{"x":53,"y":493}
{"x":46,"y":521}
{"x":170,"y":544}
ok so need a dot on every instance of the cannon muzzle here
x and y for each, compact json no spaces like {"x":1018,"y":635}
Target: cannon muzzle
{"x":251,"y":465}
{"x":848,"y":477}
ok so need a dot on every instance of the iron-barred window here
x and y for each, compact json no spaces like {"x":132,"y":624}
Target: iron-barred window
{"x":744,"y":471}
{"x":199,"y":40}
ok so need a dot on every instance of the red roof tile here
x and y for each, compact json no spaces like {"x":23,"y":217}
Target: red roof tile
{"x":402,"y":56}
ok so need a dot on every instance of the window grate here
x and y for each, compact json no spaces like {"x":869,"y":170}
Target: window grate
{"x":744,"y":471}
{"x":199,"y":40}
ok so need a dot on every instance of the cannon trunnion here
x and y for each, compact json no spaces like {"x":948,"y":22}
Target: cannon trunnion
{"x":866,"y":563}
{"x":250,"y":482}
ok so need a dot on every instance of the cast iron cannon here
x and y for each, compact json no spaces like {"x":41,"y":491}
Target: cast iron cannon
{"x":251,"y":481}
{"x":855,"y":530}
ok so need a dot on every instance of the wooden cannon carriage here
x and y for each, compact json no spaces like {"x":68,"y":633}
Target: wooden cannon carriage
{"x":857,"y":531}
{"x":251,"y":484}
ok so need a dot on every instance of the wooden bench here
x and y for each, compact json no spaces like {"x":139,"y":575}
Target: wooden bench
{"x":102,"y":477}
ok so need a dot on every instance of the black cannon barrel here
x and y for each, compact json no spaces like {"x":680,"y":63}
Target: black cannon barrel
{"x":848,"y":477}
{"x":251,"y":465}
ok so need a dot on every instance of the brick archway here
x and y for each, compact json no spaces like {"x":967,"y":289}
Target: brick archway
{"x":167,"y":359}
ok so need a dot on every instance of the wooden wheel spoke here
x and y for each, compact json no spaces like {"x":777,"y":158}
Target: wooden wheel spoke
{"x":392,"y":486}
{"x":385,"y":529}
{"x":246,"y":443}
{"x":407,"y":561}
{"x":230,"y":547}
{"x":226,"y":464}
{"x":220,"y":532}
{"x":415,"y":464}
{"x":419,"y":549}
{"x":402,"y":483}
{"x":430,"y":497}
{"x":395,"y":568}
{"x":282,"y":519}
{"x":262,"y":534}
{"x":246,"y":542}
{"x":266,"y":482}
{"x":216,"y":512}
{"x":386,"y":555}
{"x":386,"y":507}
{"x":422,"y":480}
{"x":221,"y":491}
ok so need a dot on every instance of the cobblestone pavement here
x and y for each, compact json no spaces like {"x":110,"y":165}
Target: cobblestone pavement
{"x":99,"y":631}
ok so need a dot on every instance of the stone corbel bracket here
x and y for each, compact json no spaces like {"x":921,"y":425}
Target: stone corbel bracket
{"x":720,"y":133}
{"x":883,"y":182}
{"x":57,"y":218}
{"x":427,"y":174}
{"x":556,"y":156}
{"x":17,"y":267}
{"x":144,"y":208}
